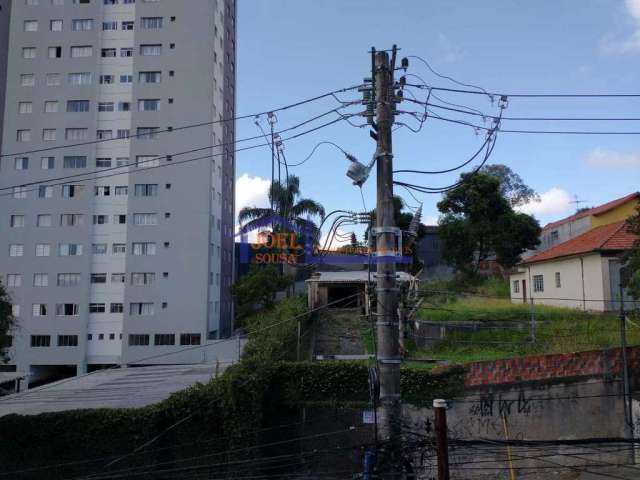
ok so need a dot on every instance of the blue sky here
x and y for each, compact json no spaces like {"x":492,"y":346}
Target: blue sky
{"x":289,"y":50}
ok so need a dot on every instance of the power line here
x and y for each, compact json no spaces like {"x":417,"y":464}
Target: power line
{"x":531,"y":95}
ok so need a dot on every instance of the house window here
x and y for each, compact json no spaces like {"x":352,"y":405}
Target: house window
{"x":38,"y":341}
{"x":67,"y":309}
{"x":189,"y":339}
{"x":538,"y":283}
{"x":554,"y":236}
{"x":138,"y":340}
{"x":164,"y":339}
{"x":558,"y":281}
{"x":141,"y":309}
{"x":67,"y":340}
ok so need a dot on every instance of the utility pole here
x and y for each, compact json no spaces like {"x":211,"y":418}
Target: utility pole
{"x":628,"y":413}
{"x":442,"y":447}
{"x":387,"y":331}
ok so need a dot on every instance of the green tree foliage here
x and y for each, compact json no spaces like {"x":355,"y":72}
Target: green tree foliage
{"x":257,"y":290}
{"x":6,"y":321}
{"x":632,"y":259}
{"x":512,"y":187}
{"x":287,"y":205}
{"x":478,"y":221}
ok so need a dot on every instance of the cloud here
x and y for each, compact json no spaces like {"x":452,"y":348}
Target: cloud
{"x":600,"y":158}
{"x":552,"y":202}
{"x":449,"y":52}
{"x":613,"y":44}
{"x":431,"y":220}
{"x":251,"y":192}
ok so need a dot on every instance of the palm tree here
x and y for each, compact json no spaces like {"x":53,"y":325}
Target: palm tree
{"x":287,"y":206}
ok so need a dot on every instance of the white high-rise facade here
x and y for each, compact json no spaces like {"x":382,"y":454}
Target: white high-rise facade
{"x":128,"y":255}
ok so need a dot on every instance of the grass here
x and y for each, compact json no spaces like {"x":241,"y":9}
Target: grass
{"x":559,"y":330}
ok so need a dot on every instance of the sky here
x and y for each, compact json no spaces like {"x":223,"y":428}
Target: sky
{"x":292,"y":50}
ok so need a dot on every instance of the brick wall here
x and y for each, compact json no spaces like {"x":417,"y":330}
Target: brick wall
{"x":593,"y":363}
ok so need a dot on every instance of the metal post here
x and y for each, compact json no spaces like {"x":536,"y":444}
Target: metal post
{"x":386,"y":287}
{"x":628,"y":414}
{"x":442,"y":448}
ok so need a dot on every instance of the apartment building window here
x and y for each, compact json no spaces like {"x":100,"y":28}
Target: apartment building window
{"x":151,"y":50}
{"x":82,"y":25}
{"x":144,"y":248}
{"x":40,"y":280}
{"x":55,"y":52}
{"x":108,"y":53}
{"x":110,"y":25}
{"x":100,"y":219}
{"x":146,"y":190}
{"x":70,"y":250}
{"x":164,"y":339}
{"x":105,"y":107}
{"x":45,"y":191}
{"x":558,"y":280}
{"x":150,"y":77}
{"x":99,"y":249}
{"x":16,"y":221}
{"x":81,"y":2}
{"x":68,"y":279}
{"x":138,"y":340}
{"x":145,"y":218}
{"x":80,"y":78}
{"x":47,"y":163}
{"x":71,"y":219}
{"x":77,"y":134}
{"x":122,"y":162}
{"x":126,"y":78}
{"x":75,"y":162}
{"x":55,"y":25}
{"x":107,"y":79}
{"x":118,"y":277}
{"x":147,"y":133}
{"x":189,"y":339}
{"x":51,"y":106}
{"x":120,"y":219}
{"x":67,"y":309}
{"x":151,"y":22}
{"x":116,"y":308}
{"x":67,"y":340}
{"x":121,"y":190}
{"x":149,"y":105}
{"x":119,"y":248}
{"x":141,"y":309}
{"x":103,"y":162}
{"x":16,"y":250}
{"x":71,"y":191}
{"x":82,"y":51}
{"x":20,"y":192}
{"x":39,"y":341}
{"x":146,"y":161}
{"x":39,"y":310}
{"x":23,"y":135}
{"x":123,"y":133}
{"x":538,"y":283}
{"x":27,"y":80}
{"x":21,"y":163}
{"x":43,"y":250}
{"x":97,"y":308}
{"x":14,"y":280}
{"x":52,"y":79}
{"x":25,"y":107}
{"x":30,"y":25}
{"x":29,"y":52}
{"x":102,"y":191}
{"x":15,"y":310}
{"x":44,"y":220}
{"x":49,"y":135}
{"x":126,"y":52}
{"x":78,"y":106}
{"x":110,"y":2}
{"x":128,"y":25}
{"x":143,"y":278}
{"x":104,"y":134}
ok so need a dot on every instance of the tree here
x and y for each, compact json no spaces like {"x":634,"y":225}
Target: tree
{"x":288,"y":206}
{"x":478,"y":221}
{"x":257,"y":290}
{"x":631,"y":261}
{"x":512,"y":187}
{"x":6,"y":321}
{"x":353,"y":240}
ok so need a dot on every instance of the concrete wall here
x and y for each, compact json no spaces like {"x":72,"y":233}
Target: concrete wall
{"x":5,"y":17}
{"x":582,"y":283}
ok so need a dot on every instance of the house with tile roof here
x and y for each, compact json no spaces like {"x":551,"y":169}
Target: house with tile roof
{"x":583,"y":272}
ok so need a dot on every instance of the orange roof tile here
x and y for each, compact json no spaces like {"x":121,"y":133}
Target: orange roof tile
{"x":605,"y":207}
{"x":611,"y":237}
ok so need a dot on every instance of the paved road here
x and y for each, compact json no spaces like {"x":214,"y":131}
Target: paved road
{"x":114,"y":388}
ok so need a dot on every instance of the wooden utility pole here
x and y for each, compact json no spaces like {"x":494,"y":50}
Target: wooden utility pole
{"x":442,"y":448}
{"x":388,"y":358}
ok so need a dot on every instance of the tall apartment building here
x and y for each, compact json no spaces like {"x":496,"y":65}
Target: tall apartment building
{"x":129,"y":256}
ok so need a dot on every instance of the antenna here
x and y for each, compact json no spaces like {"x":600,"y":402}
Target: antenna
{"x":577,"y":202}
